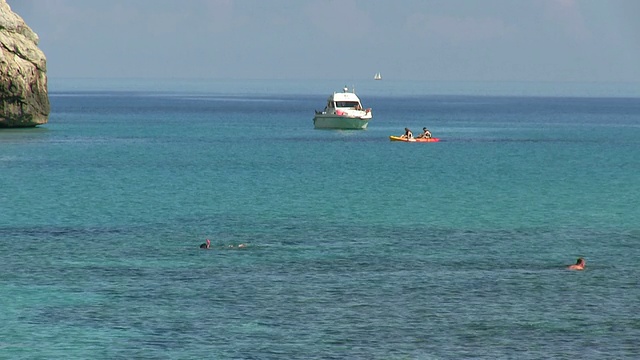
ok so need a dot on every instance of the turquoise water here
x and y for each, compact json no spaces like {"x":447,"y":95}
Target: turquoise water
{"x":357,"y":247}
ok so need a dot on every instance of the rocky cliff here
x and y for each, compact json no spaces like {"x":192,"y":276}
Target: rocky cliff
{"x":24,"y":101}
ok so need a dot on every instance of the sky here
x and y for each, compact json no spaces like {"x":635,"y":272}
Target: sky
{"x":426,"y":40}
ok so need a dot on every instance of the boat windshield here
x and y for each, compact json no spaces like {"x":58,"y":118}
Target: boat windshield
{"x":346,"y":104}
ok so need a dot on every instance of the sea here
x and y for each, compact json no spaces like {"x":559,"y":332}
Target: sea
{"x":354,"y":247}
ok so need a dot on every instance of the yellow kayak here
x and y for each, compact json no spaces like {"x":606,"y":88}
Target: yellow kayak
{"x":400,"y":138}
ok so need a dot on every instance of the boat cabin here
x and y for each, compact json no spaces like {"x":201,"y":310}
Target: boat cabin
{"x":344,"y":100}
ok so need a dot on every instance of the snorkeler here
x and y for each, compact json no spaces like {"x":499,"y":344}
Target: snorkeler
{"x":206,"y":245}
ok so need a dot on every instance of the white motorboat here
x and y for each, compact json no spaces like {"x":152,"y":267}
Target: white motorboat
{"x":343,"y":111}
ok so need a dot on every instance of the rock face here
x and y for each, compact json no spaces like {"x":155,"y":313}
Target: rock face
{"x":24,"y":100}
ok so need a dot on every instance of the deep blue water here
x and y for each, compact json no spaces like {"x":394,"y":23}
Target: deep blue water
{"x":357,"y":247}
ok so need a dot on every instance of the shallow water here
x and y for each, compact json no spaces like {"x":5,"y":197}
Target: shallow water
{"x":358,"y":247}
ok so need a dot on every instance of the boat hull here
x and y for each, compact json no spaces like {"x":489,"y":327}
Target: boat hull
{"x":323,"y":121}
{"x":399,"y":138}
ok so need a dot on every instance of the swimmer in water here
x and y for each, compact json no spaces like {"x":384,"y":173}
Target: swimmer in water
{"x":206,"y":245}
{"x":579,"y":265}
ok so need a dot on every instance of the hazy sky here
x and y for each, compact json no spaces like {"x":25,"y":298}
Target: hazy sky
{"x":437,"y":40}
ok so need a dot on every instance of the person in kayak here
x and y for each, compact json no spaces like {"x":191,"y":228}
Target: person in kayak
{"x":579,"y":265}
{"x":206,"y":245}
{"x":407,"y":134}
{"x":426,"y":134}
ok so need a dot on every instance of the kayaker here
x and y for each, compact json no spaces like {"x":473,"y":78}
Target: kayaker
{"x":206,"y":245}
{"x":407,"y":134}
{"x":579,"y":265}
{"x":426,"y":134}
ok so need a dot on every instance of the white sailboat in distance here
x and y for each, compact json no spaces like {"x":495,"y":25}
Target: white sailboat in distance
{"x":377,"y":76}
